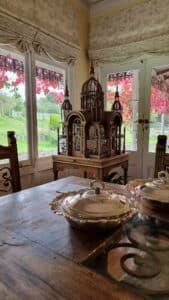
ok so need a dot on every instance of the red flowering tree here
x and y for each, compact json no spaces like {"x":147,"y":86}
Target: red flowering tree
{"x":47,"y":81}
{"x":125,"y":92}
{"x":159,"y":99}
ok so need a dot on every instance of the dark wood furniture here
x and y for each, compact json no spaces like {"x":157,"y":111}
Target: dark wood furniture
{"x":161,"y":157}
{"x":91,"y":132}
{"x":10,"y":174}
{"x":90,"y":167}
{"x":42,"y":257}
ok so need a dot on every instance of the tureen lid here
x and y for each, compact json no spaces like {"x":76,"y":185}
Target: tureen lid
{"x":95,"y":203}
{"x":157,"y":189}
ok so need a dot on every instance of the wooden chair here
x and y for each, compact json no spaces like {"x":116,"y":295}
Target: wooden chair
{"x":161,"y":157}
{"x":10,"y":177}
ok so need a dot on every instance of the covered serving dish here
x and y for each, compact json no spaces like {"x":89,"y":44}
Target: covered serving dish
{"x":156,"y":192}
{"x":95,"y":208}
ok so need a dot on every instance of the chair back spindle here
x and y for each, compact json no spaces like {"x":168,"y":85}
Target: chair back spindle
{"x":10,"y":176}
{"x":161,"y":157}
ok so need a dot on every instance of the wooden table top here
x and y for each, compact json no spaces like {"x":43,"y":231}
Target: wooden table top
{"x":40,"y":254}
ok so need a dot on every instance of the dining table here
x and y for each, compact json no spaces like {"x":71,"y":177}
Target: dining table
{"x":43,"y":257}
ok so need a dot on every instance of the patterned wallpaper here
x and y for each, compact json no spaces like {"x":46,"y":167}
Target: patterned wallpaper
{"x":56,"y":17}
{"x":141,"y":22}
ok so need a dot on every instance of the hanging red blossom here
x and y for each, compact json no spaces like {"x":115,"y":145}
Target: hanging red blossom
{"x":125,"y":92}
{"x":46,"y":80}
{"x":58,"y":97}
{"x":159,"y":101}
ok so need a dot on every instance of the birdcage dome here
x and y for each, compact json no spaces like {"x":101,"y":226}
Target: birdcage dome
{"x":91,"y":87}
{"x":66,"y":105}
{"x":92,"y":97}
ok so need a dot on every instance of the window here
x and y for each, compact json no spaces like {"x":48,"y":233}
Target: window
{"x":128,"y":91}
{"x":159,"y":105}
{"x":12,"y":100}
{"x":49,"y":97}
{"x":34,"y":114}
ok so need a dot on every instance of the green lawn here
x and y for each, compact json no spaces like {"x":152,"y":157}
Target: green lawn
{"x":47,"y":138}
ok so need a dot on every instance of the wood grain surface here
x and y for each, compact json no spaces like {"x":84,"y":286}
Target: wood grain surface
{"x":40,"y":253}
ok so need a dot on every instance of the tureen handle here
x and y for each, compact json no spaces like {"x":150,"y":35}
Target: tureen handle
{"x":97,"y":185}
{"x":163,"y":175}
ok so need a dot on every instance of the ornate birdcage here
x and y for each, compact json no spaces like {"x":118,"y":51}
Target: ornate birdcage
{"x":91,"y":132}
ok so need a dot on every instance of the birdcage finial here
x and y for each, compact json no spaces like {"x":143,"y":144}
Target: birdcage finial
{"x":66,"y":90}
{"x":117,"y":92}
{"x":92,"y":69}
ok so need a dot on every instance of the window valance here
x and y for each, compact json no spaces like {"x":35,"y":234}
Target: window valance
{"x":154,"y":46}
{"x":27,"y":37}
{"x":130,"y":33}
{"x":8,"y":63}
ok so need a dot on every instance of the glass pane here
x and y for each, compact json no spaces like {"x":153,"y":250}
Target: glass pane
{"x":12,"y":100}
{"x":49,"y":96}
{"x":159,"y":108}
{"x":128,"y":84}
